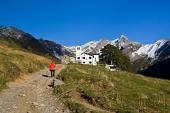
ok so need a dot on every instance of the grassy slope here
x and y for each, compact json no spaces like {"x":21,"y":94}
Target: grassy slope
{"x":14,"y":62}
{"x":119,"y":92}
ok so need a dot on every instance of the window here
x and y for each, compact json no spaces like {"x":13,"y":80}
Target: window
{"x":78,"y":57}
{"x":90,"y":62}
{"x":83,"y":57}
{"x":89,"y":57}
{"x":78,"y":48}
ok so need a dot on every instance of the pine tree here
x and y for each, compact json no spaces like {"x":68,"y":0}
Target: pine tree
{"x":112,"y":55}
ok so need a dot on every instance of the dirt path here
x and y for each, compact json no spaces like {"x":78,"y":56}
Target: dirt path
{"x":31,"y":95}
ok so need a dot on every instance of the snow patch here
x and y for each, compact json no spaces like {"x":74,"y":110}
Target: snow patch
{"x":56,"y":55}
{"x":149,"y":49}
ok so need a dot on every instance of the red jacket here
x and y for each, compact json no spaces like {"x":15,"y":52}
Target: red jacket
{"x":52,"y":66}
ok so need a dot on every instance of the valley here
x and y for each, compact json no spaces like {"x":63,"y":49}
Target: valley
{"x":85,"y":88}
{"x":84,"y":56}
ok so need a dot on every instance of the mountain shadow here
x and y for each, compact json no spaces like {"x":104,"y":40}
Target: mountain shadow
{"x":160,"y":69}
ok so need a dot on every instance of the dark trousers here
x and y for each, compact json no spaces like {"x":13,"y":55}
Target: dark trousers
{"x":52,"y":73}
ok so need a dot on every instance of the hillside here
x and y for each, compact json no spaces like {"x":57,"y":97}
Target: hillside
{"x":31,"y":43}
{"x":16,"y":61}
{"x":93,"y":89}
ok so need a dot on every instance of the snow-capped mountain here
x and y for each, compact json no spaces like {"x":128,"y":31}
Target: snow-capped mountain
{"x":153,"y":59}
{"x":153,"y":51}
{"x":150,"y":49}
{"x":27,"y":41}
{"x":96,"y":46}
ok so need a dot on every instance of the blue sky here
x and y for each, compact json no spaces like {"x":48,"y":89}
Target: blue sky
{"x":74,"y":22}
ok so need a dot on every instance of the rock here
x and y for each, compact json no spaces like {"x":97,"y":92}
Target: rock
{"x":15,"y":107}
{"x":22,"y":95}
{"x":27,"y":102}
{"x":56,"y":111}
{"x":143,"y":96}
{"x":35,"y":103}
{"x":58,"y":82}
{"x":42,"y":105}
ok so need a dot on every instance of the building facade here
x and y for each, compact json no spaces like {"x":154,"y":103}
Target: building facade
{"x":86,"y":58}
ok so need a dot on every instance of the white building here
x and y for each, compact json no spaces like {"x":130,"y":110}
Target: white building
{"x":86,"y":58}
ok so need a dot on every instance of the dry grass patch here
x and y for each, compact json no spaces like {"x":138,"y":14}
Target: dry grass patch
{"x":15,"y":62}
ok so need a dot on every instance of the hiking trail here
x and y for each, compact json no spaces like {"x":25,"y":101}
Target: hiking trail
{"x":31,"y":94}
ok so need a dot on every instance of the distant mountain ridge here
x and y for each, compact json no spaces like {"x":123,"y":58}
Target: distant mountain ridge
{"x":96,"y":46}
{"x":153,"y":50}
{"x":29,"y":42}
{"x":135,"y":50}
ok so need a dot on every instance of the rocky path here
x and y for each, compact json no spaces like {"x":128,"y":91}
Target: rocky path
{"x":31,"y":94}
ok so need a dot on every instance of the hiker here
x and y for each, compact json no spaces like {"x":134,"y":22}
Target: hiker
{"x":52,"y":68}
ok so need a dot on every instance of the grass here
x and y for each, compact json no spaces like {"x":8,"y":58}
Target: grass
{"x":16,"y":61}
{"x":90,"y":89}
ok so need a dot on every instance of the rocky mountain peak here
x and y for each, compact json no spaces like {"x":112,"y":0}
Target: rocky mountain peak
{"x":123,"y":37}
{"x":123,"y":40}
{"x":103,"y":42}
